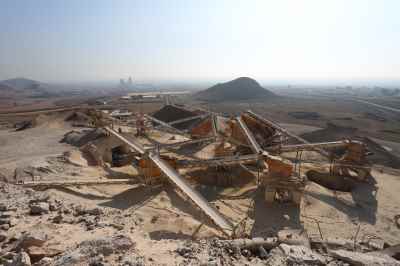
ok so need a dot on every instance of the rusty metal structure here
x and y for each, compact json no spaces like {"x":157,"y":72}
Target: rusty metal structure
{"x":248,"y":139}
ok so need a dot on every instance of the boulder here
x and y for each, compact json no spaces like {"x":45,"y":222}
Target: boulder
{"x":108,"y":245}
{"x":122,"y":243}
{"x":13,"y":222}
{"x":72,"y":258}
{"x":3,"y":207}
{"x":9,"y":255}
{"x":184,"y":251}
{"x":117,"y":226}
{"x":299,"y":255}
{"x":80,"y":210}
{"x":94,"y":211}
{"x":31,"y":239}
{"x":97,"y":261}
{"x":21,"y":259}
{"x":4,"y":221}
{"x":3,"y":177}
{"x":44,"y":262}
{"x":375,"y":243}
{"x":358,"y":259}
{"x":132,"y":260}
{"x":251,"y":244}
{"x":58,"y":218}
{"x":397,"y":220}
{"x":97,"y":246}
{"x":6,"y":214}
{"x":5,"y":227}
{"x":393,"y":251}
{"x":294,"y":237}
{"x":276,"y":258}
{"x":39,"y":208}
{"x":43,"y":197}
{"x":8,"y":222}
{"x":336,"y":243}
{"x":3,"y":236}
{"x":22,"y":174}
{"x":54,"y":206}
{"x":38,"y":253}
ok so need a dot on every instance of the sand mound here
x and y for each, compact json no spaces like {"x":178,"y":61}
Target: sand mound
{"x":23,"y":125}
{"x":76,"y":158}
{"x":79,"y":119}
{"x":171,"y":113}
{"x":243,"y":88}
{"x":80,"y":138}
{"x":42,"y":120}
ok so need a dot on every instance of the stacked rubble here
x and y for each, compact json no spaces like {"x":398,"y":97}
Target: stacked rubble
{"x":287,"y":247}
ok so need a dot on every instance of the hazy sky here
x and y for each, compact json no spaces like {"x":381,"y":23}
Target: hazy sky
{"x":68,"y":40}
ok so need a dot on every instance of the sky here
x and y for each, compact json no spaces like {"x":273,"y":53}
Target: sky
{"x":94,"y":40}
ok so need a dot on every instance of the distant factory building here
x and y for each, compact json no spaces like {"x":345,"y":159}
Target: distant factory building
{"x":121,"y":114}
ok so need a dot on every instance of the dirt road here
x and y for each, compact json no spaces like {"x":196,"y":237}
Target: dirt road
{"x":379,"y":106}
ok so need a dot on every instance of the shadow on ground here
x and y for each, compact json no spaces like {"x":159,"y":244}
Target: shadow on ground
{"x":134,"y":197}
{"x":229,"y":176}
{"x":164,"y":234}
{"x":364,"y":205}
{"x":112,"y":174}
{"x":84,"y":195}
{"x":138,"y":197}
{"x":270,"y":218}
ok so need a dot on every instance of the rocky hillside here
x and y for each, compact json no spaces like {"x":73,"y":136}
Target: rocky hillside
{"x":24,"y":88}
{"x":22,"y":83}
{"x":238,"y":89}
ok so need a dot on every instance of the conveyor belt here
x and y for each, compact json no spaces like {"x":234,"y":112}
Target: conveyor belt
{"x":177,"y":180}
{"x":221,"y":160}
{"x":214,"y":124}
{"x":285,"y":131}
{"x":165,"y":125}
{"x":310,"y":146}
{"x":67,"y":183}
{"x":254,"y":144}
{"x":199,"y":200}
{"x":186,"y":142}
{"x":136,"y":146}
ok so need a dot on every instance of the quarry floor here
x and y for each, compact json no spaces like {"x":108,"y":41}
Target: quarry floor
{"x":160,"y":219}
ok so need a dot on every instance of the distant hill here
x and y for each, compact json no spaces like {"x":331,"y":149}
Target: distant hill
{"x":6,"y":92}
{"x":387,"y":92}
{"x":238,"y":89}
{"x":18,"y":88}
{"x":4,"y":87}
{"x":22,"y":84}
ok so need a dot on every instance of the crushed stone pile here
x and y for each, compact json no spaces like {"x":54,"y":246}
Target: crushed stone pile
{"x":171,"y":113}
{"x":79,"y":138}
{"x":79,"y":119}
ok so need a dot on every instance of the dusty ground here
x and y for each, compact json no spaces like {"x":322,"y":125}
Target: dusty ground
{"x":31,"y":147}
{"x":338,"y":111}
{"x":371,"y":208}
{"x":160,"y":220}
